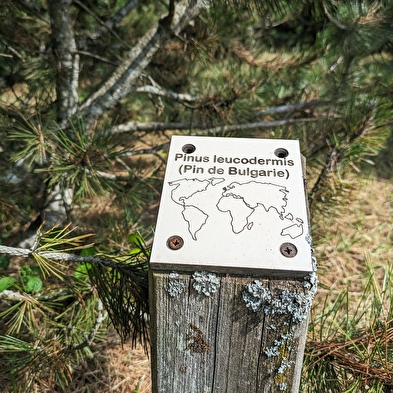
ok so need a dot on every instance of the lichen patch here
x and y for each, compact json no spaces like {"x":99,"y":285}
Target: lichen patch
{"x":205,"y":283}
{"x":175,"y":287}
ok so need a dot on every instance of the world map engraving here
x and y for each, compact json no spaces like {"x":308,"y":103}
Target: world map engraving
{"x":239,"y":200}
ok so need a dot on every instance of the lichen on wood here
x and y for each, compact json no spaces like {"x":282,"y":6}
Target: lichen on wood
{"x":258,"y":297}
{"x":205,"y":283}
{"x":291,"y":304}
{"x":175,"y":287}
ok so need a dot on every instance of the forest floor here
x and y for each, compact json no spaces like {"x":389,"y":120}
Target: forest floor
{"x":114,"y":368}
{"x":359,"y":235}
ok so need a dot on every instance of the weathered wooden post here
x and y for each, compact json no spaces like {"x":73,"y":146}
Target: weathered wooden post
{"x":232,"y":274}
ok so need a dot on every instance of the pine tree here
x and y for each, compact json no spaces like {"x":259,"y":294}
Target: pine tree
{"x":91,"y":93}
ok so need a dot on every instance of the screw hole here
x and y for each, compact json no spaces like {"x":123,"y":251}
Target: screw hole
{"x":281,"y":152}
{"x":188,"y":149}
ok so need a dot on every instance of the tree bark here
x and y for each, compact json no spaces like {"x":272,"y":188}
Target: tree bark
{"x":67,"y":57}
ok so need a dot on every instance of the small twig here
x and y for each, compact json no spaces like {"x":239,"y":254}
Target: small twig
{"x":159,"y":91}
{"x":10,"y":48}
{"x":290,"y":108}
{"x":331,"y":163}
{"x":337,"y":154}
{"x":336,"y":22}
{"x":155,"y":126}
{"x":259,"y":124}
{"x":111,"y":176}
{"x":115,"y":19}
{"x":94,"y":15}
{"x":152,"y":150}
{"x":95,"y":56}
{"x":113,"y":388}
{"x":37,"y":239}
{"x":90,"y":338}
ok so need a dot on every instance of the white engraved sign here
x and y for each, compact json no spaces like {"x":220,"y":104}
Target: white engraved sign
{"x":233,"y":204}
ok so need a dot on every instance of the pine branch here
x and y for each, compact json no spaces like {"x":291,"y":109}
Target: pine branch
{"x":124,"y":292}
{"x":111,"y":23}
{"x":55,"y":256}
{"x":12,"y":296}
{"x":15,"y":251}
{"x":205,"y":127}
{"x":338,"y":153}
{"x":123,"y":12}
{"x":121,"y":285}
{"x":156,"y":126}
{"x":331,"y":163}
{"x":104,"y":26}
{"x":259,"y":124}
{"x":189,"y":99}
{"x":120,"y":83}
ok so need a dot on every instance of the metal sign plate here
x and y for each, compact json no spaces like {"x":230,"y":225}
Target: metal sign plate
{"x":233,"y":204}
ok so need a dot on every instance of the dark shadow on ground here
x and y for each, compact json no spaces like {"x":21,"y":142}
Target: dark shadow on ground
{"x":384,"y":160}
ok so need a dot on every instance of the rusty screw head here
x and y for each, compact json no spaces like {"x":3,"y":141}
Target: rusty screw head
{"x":289,"y":250}
{"x":175,"y":242}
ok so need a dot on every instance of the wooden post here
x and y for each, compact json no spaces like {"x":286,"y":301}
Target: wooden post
{"x":232,"y":274}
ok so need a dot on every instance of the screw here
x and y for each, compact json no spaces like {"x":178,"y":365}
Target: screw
{"x":289,"y":250}
{"x":175,"y":242}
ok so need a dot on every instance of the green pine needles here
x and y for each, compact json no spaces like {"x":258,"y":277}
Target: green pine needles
{"x":59,"y":303}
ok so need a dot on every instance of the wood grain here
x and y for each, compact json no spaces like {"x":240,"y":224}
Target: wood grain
{"x":205,"y":344}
